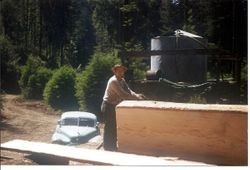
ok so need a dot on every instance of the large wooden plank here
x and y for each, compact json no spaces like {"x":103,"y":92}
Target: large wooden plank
{"x":209,"y":133}
{"x":99,"y":157}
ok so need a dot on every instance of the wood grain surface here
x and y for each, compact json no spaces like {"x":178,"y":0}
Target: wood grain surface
{"x":91,"y":156}
{"x":215,"y":134}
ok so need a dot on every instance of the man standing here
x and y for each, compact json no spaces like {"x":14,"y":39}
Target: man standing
{"x":116,"y":91}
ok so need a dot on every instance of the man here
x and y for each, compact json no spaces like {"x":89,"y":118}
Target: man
{"x":116,"y":91}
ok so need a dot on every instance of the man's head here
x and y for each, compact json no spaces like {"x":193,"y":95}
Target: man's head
{"x":119,"y":70}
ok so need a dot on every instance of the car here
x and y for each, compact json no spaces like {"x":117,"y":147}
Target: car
{"x":76,"y":127}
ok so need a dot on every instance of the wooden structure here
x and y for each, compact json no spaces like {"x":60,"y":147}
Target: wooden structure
{"x":217,"y":55}
{"x":54,"y":154}
{"x":210,"y":133}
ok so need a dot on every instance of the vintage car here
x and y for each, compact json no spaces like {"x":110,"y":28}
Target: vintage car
{"x":76,"y":127}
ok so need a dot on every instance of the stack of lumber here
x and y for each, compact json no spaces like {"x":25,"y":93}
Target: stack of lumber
{"x":210,"y":133}
{"x":50,"y":154}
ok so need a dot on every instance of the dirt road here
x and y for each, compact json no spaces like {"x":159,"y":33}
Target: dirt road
{"x":30,"y":120}
{"x":27,"y":119}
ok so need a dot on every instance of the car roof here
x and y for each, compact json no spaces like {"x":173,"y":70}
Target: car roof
{"x":76,"y":114}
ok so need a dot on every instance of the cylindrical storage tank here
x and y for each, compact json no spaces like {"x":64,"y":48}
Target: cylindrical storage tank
{"x":179,"y":67}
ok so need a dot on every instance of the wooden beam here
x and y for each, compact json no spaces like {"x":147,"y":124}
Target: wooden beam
{"x":211,"y":53}
{"x":96,"y":157}
{"x":172,"y":52}
{"x":210,"y":133}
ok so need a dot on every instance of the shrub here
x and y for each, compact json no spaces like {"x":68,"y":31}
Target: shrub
{"x":10,"y":71}
{"x":1,"y":103}
{"x":60,"y":90}
{"x":10,"y":74}
{"x":92,"y":82}
{"x":197,"y":99}
{"x":139,"y":69}
{"x":244,"y":70}
{"x":244,"y":83}
{"x":29,"y":83}
{"x":37,"y":82}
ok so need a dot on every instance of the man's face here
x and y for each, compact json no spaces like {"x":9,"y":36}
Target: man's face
{"x":119,"y":72}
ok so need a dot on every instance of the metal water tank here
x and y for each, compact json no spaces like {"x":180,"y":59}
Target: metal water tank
{"x":180,"y":67}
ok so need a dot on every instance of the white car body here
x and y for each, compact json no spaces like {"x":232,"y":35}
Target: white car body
{"x":76,"y":127}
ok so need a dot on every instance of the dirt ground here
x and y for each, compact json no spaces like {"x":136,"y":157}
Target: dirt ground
{"x":30,"y":120}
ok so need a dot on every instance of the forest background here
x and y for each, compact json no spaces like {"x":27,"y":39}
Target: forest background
{"x":61,"y":51}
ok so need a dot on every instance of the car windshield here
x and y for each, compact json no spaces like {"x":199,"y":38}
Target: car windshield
{"x":70,"y":122}
{"x":86,"y":122}
{"x":74,"y":122}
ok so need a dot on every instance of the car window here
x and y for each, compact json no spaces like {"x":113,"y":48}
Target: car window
{"x":86,"y":122}
{"x":70,"y":122}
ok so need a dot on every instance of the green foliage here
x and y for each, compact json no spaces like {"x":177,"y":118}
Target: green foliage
{"x":244,"y":73}
{"x":10,"y":70}
{"x":244,"y":84}
{"x":139,"y":69}
{"x":1,"y":103}
{"x":31,"y":65}
{"x":121,"y":22}
{"x":6,"y":50}
{"x":33,"y":78}
{"x":137,"y":66}
{"x":165,"y":19}
{"x":59,"y":92}
{"x":92,"y":82}
{"x":37,"y":82}
{"x":189,"y":25}
{"x":197,"y":99}
{"x":66,"y":32}
{"x":106,"y":24}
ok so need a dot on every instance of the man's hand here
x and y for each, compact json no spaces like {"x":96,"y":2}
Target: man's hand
{"x":140,"y":96}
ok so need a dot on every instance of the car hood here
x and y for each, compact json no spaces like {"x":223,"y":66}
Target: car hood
{"x":75,"y":131}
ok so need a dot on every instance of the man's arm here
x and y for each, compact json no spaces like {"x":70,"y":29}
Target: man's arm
{"x":136,"y":95}
{"x":122,"y":93}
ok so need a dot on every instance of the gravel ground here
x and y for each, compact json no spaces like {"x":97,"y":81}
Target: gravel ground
{"x":30,"y":120}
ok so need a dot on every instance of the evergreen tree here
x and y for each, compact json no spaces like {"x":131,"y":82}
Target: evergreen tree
{"x":189,"y":24}
{"x":105,"y":18}
{"x":165,"y":14}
